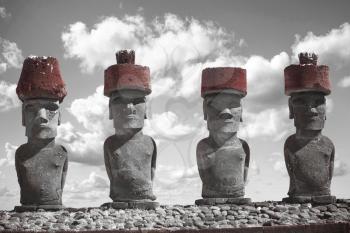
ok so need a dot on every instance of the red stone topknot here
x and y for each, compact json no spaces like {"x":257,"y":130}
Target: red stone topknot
{"x":307,"y":76}
{"x":125,"y":75}
{"x":224,"y":79}
{"x":41,"y":78}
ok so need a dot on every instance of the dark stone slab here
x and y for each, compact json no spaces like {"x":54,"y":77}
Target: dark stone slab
{"x":310,"y":199}
{"x":25,"y":208}
{"x":216,"y":201}
{"x":139,"y":204}
{"x":324,"y":199}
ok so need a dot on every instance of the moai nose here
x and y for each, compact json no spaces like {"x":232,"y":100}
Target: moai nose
{"x":313,"y":109}
{"x":42,"y":116}
{"x":131,"y":108}
{"x":225,"y":113}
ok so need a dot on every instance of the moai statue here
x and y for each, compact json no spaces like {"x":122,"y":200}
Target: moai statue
{"x":130,"y":156}
{"x":309,"y":155}
{"x":223,"y":158}
{"x":41,"y":164}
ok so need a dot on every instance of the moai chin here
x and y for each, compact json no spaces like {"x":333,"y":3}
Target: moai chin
{"x":41,"y":164}
{"x":309,"y":156}
{"x":223,"y":158}
{"x":130,"y":156}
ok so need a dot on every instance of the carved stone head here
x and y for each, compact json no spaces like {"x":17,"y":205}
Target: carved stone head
{"x":223,"y":112}
{"x":308,"y":109}
{"x":41,"y":117}
{"x":127,"y":109}
{"x":222,"y":89}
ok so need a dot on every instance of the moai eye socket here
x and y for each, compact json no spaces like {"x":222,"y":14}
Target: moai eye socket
{"x":298,"y":101}
{"x":51,"y":107}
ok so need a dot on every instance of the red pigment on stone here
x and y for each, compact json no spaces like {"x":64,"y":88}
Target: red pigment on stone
{"x":224,"y":79}
{"x":41,"y":78}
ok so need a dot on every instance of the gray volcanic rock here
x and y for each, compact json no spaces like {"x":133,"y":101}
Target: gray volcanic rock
{"x":176,"y":217}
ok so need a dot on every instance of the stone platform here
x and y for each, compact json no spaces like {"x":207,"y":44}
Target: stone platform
{"x":260,"y":216}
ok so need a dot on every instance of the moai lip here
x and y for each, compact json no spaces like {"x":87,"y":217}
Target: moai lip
{"x":41,"y":89}
{"x":223,"y":158}
{"x":309,"y":155}
{"x":130,"y":156}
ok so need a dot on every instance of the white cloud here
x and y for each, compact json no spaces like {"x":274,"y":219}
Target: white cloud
{"x":345,"y":82}
{"x":266,"y":77}
{"x":340,"y":167}
{"x":4,"y":191}
{"x":280,"y":166}
{"x":8,"y":96}
{"x":11,"y":55}
{"x":177,"y":185}
{"x":95,"y":189}
{"x":10,"y":151}
{"x":333,"y":47}
{"x":87,"y":146}
{"x":270,"y":122}
{"x":166,"y":125}
{"x":171,"y":46}
{"x":93,"y":182}
{"x":4,"y":13}
{"x":329,"y":104}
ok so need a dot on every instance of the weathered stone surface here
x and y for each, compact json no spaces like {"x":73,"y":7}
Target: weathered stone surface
{"x":309,"y":155}
{"x":130,"y":156}
{"x":41,"y":164}
{"x":223,"y":158}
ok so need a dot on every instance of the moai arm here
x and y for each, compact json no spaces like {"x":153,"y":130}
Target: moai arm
{"x":331,"y":164}
{"x":107,"y":161}
{"x":247,"y":159}
{"x":64,"y":172}
{"x":200,"y":160}
{"x":19,"y":176}
{"x":287,"y":159}
{"x":154,"y":159}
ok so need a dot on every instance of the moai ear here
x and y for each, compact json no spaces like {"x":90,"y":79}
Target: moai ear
{"x":59,"y":117}
{"x":23,"y":120}
{"x":145,"y":117}
{"x":204,"y":110}
{"x":241,"y":118}
{"x":291,"y":112}
{"x":110,"y":110}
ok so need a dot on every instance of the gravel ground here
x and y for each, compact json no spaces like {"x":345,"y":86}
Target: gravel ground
{"x":178,"y":217}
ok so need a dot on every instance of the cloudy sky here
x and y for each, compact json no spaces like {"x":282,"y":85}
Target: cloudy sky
{"x":177,"y":40}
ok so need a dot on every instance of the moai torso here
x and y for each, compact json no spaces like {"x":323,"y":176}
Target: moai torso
{"x":129,"y":166}
{"x":41,"y":174}
{"x":222,"y":169}
{"x":310,"y":165}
